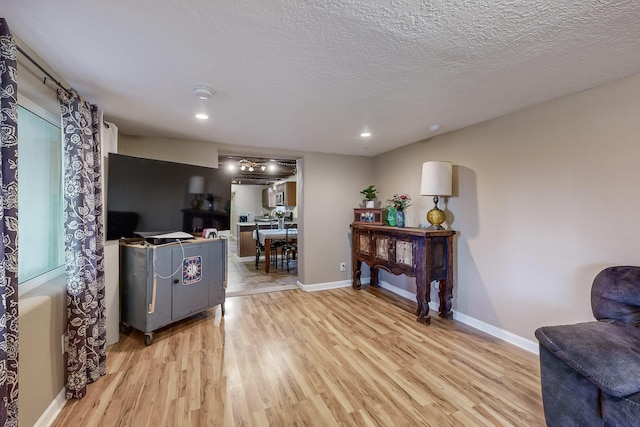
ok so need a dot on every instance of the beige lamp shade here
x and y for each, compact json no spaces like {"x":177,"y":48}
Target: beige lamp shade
{"x":196,"y":185}
{"x":436,"y":182}
{"x":436,"y":179}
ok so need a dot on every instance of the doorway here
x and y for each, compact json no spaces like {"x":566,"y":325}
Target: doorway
{"x":252,"y":181}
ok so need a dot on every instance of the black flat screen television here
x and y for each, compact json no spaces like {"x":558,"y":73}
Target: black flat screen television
{"x":149,"y":195}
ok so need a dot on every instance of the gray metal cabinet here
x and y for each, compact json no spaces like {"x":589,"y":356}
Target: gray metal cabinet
{"x":162,"y":284}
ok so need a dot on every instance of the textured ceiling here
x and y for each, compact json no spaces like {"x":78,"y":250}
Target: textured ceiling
{"x":312,"y":75}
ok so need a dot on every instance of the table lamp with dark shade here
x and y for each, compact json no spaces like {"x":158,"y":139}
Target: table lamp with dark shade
{"x":436,"y":182}
{"x":196,"y":187}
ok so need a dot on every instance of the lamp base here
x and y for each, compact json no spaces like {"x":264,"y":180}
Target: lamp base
{"x":196,"y":203}
{"x":436,"y":227}
{"x":436,"y":217}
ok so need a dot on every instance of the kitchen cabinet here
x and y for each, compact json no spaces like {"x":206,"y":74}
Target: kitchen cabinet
{"x":246,"y":243}
{"x":269,"y":198}
{"x":286,"y":193}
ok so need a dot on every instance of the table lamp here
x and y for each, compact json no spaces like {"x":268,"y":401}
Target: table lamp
{"x":196,"y":187}
{"x":436,"y":182}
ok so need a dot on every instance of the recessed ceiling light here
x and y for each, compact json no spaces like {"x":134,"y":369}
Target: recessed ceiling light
{"x":202,"y":116}
{"x":202,"y":92}
{"x":365,"y":134}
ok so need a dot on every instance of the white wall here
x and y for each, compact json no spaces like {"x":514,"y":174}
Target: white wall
{"x":42,"y":369}
{"x":330,"y":187}
{"x":248,"y":200}
{"x":172,"y":150}
{"x":544,"y":199}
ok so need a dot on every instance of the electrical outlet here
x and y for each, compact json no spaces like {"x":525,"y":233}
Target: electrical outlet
{"x":343,"y":266}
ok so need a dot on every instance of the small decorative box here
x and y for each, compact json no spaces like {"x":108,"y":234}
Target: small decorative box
{"x":371,"y":216}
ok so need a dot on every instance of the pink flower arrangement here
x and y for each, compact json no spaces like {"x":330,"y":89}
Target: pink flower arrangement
{"x":399,"y":201}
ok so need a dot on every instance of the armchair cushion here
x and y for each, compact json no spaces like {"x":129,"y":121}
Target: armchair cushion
{"x":615,"y":294}
{"x":607,"y":353}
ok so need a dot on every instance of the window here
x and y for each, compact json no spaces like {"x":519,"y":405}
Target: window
{"x":40,"y":227}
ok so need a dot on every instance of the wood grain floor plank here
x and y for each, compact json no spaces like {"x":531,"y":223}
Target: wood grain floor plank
{"x":331,"y":358}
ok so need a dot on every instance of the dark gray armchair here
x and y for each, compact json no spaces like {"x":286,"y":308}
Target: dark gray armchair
{"x":590,"y":371}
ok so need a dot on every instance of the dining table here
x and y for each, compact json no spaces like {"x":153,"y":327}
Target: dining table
{"x":267,"y":235}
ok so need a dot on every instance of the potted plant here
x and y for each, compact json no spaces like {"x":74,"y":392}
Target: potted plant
{"x":370,"y":194}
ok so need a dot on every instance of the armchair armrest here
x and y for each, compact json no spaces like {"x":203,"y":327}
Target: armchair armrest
{"x":606,"y":353}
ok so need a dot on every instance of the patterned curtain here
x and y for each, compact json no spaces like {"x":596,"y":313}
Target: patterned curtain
{"x":84,"y":244}
{"x":9,"y":229}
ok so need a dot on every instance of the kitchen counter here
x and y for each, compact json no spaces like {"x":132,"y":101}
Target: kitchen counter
{"x":265,"y":219}
{"x":246,"y":244}
{"x":263,"y":222}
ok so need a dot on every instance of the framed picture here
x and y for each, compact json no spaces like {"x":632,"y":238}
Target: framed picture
{"x":371,"y":216}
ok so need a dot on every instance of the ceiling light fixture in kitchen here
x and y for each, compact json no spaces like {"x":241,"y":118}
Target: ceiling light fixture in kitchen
{"x":257,"y":170}
{"x":255,"y":165}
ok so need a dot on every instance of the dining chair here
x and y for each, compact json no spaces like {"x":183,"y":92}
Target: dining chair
{"x":290,"y":248}
{"x":259,"y":246}
{"x":276,"y":244}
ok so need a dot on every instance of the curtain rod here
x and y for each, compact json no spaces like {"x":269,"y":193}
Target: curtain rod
{"x":46,"y":73}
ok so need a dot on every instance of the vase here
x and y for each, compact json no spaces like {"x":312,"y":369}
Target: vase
{"x":391,"y":216}
{"x":280,"y":223}
{"x":400,"y":219}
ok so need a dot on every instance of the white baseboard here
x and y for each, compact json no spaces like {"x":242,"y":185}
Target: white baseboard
{"x":324,"y":286}
{"x":509,"y":337}
{"x":49,"y":415}
{"x":399,"y":291}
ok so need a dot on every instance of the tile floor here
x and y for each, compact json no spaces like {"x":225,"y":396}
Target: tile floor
{"x":244,"y":279}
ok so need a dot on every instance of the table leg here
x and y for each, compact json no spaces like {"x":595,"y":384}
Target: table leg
{"x":374,"y":277}
{"x":445,"y":293}
{"x":356,"y":270}
{"x":267,"y":254}
{"x":423,"y":297}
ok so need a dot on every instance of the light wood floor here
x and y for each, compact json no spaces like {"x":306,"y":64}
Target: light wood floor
{"x":330,"y":358}
{"x":243,"y":278}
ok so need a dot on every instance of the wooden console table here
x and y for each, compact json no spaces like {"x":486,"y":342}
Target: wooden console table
{"x":197,"y":219}
{"x":424,"y":254}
